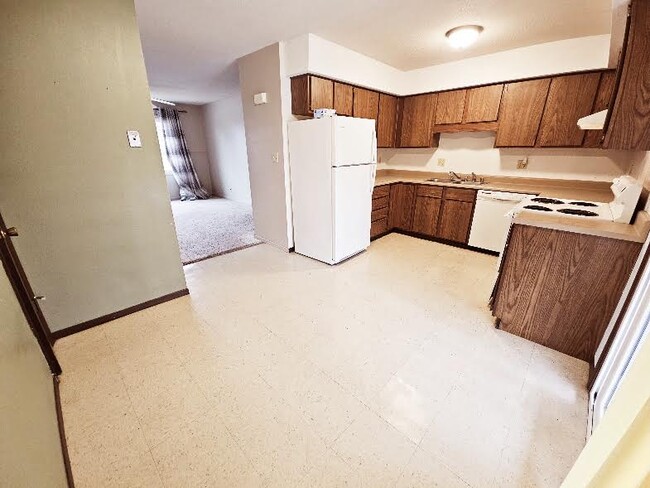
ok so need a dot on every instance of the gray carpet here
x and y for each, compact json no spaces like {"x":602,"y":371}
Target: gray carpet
{"x":207,"y":228}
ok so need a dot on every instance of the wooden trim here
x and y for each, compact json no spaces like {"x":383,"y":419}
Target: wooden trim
{"x":60,"y":422}
{"x":116,"y":315}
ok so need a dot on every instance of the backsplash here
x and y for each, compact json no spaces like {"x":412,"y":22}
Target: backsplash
{"x":475,"y":152}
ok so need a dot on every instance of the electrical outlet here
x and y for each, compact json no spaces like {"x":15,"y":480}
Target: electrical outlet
{"x":441,"y":161}
{"x":522,"y":163}
{"x":276,"y":157}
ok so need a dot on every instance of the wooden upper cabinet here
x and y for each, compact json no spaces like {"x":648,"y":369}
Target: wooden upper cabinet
{"x":522,"y":106}
{"x":387,"y":121}
{"x":482,"y":104}
{"x":400,"y":211}
{"x":569,"y":98}
{"x":418,"y":115}
{"x":342,"y":98}
{"x":309,"y":93}
{"x":450,"y":107}
{"x":628,"y":126}
{"x":366,"y":103}
{"x":593,"y":138}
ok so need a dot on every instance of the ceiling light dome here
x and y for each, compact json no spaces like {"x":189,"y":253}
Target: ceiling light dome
{"x":463,"y":36}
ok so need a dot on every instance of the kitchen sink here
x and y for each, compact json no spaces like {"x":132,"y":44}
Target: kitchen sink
{"x":456,"y":182}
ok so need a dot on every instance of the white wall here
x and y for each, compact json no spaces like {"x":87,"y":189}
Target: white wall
{"x":467,"y":152}
{"x":266,"y":136}
{"x":226,"y":144}
{"x":192,"y":123}
{"x":310,"y":53}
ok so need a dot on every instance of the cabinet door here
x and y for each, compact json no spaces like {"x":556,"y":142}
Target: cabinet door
{"x":342,"y":98}
{"x":400,"y":210}
{"x":450,"y":107}
{"x":482,"y":104}
{"x":455,"y":220}
{"x":321,"y":93}
{"x":604,"y":94}
{"x":569,"y":98}
{"x":365,"y":104}
{"x":387,"y":121}
{"x":425,"y":215}
{"x":522,"y":106}
{"x":418,"y":114}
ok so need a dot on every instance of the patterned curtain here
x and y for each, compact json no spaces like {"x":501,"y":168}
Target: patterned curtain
{"x":179,"y":157}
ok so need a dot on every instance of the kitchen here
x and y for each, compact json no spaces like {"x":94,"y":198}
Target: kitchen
{"x":567,"y":246}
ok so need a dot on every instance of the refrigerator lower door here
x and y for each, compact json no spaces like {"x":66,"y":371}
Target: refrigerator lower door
{"x":352,"y":201}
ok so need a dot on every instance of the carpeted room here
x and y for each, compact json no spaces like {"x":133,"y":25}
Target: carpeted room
{"x":206,"y":168}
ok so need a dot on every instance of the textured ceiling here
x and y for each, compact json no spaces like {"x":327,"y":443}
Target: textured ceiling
{"x":191,"y":46}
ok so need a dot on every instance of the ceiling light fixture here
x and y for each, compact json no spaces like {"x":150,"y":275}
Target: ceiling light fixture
{"x":160,"y":100}
{"x":463,"y":36}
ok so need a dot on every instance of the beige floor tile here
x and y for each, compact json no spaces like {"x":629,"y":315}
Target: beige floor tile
{"x":129,"y":472}
{"x":204,"y":454}
{"x":426,"y":471}
{"x":375,"y":448}
{"x":331,"y":472}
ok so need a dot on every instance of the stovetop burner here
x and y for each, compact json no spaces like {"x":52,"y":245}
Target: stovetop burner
{"x":583,"y":204}
{"x":538,"y":207}
{"x":577,"y":211}
{"x":551,"y":201}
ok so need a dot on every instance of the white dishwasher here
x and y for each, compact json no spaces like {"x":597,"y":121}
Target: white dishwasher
{"x":491,"y":222}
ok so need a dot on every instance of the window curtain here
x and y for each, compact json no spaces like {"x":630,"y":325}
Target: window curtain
{"x":179,"y":157}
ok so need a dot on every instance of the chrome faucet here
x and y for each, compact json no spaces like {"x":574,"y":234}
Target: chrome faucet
{"x":454,"y":176}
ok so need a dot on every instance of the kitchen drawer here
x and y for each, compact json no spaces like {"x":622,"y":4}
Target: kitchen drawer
{"x":381,"y":191}
{"x":380,"y":202}
{"x":380,"y":213}
{"x":429,"y":191}
{"x":460,"y":194}
{"x":378,"y":227}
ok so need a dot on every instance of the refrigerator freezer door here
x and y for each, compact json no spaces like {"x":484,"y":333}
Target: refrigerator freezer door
{"x":355,"y":141}
{"x":352,"y":191}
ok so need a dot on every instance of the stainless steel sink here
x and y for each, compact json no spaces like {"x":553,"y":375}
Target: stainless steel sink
{"x":456,"y":182}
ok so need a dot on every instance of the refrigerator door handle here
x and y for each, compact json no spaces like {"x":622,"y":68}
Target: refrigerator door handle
{"x":373,"y":149}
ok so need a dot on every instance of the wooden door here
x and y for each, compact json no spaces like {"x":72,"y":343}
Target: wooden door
{"x":418,"y":115}
{"x":482,"y":104}
{"x":569,"y":98}
{"x":455,"y":220}
{"x":593,"y":138}
{"x":321,"y":93}
{"x":401,"y":202}
{"x":387,"y":121}
{"x":450,"y":107}
{"x":425,"y":215}
{"x":521,"y":111}
{"x":365,"y":104}
{"x":342,"y":98}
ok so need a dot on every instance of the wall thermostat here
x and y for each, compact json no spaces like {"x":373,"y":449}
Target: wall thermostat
{"x":260,"y":98}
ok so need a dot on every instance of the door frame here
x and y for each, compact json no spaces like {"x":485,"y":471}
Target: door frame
{"x":26,"y":298}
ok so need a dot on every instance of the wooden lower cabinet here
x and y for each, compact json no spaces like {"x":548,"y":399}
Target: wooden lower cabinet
{"x":402,"y":200}
{"x":379,"y":216}
{"x":455,"y":220}
{"x":560,"y":288}
{"x":425,"y":215}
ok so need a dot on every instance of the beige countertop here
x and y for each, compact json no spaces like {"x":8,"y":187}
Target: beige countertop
{"x":595,"y":191}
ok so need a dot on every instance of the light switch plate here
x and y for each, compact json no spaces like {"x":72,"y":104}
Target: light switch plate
{"x":260,"y":98}
{"x":441,"y":161}
{"x":522,"y":163}
{"x":134,"y":138}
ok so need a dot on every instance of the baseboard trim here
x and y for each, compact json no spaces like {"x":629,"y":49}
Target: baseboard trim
{"x":56,"y":335}
{"x":64,"y":442}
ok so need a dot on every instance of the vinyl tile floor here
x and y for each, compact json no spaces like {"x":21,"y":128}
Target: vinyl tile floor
{"x":280,"y":371}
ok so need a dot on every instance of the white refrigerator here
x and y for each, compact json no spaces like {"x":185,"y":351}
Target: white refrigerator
{"x":333,"y":162}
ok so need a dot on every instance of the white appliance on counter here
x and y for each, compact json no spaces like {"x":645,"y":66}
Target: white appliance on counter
{"x":621,"y":209}
{"x":491,"y":218}
{"x":333,"y":163}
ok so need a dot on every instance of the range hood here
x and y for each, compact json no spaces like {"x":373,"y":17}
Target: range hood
{"x":594,"y":121}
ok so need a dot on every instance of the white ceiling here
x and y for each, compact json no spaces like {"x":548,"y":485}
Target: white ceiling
{"x":191,"y":46}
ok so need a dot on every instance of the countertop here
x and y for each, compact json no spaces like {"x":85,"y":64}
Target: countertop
{"x":595,"y":191}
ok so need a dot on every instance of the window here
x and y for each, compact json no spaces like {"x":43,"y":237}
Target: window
{"x":161,"y":143}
